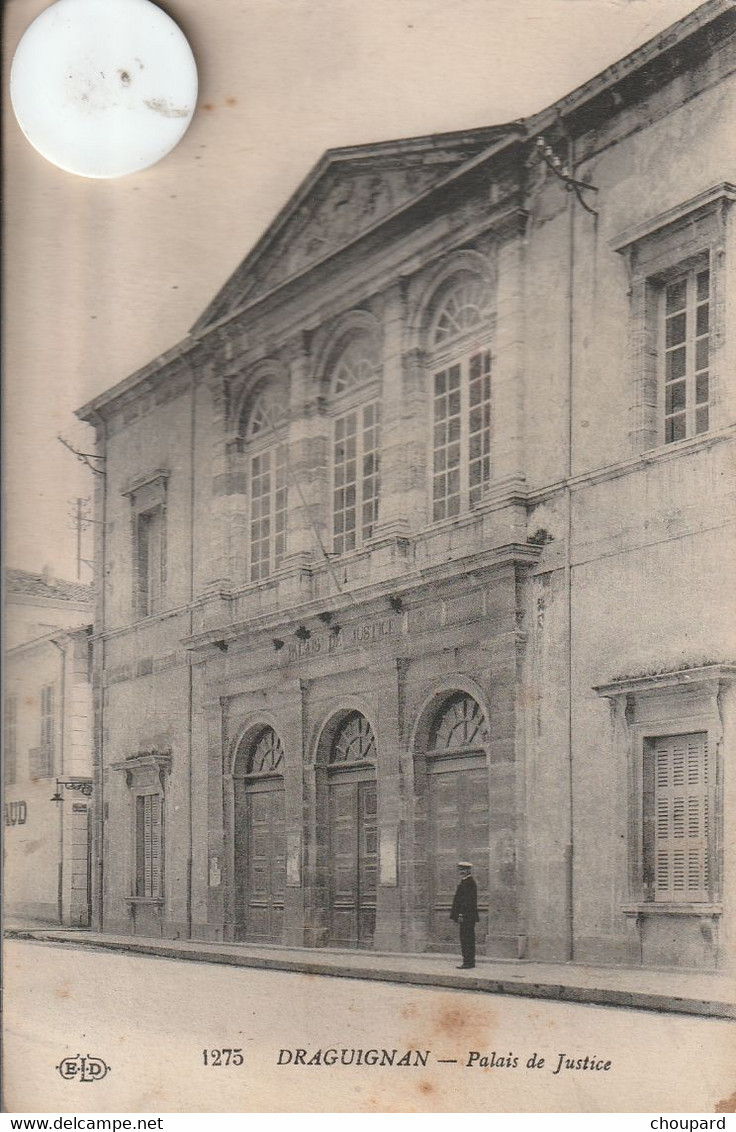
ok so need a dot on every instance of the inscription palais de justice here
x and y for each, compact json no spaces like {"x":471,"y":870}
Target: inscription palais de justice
{"x":338,"y":639}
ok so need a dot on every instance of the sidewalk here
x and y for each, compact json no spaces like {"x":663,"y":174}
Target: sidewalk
{"x":676,"y":991}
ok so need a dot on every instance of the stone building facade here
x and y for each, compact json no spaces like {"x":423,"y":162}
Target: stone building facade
{"x":47,"y":750}
{"x":413,"y":550}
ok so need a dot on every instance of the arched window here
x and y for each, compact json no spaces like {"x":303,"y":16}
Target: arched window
{"x":265,"y":755}
{"x":459,"y":727}
{"x":354,"y":742}
{"x":461,"y":396}
{"x":354,"y":385}
{"x":266,"y":446}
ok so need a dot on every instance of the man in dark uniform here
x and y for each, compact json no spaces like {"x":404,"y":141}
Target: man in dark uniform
{"x":465,"y":913}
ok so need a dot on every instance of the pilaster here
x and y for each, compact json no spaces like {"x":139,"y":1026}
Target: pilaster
{"x":388,"y":773}
{"x":415,"y":430}
{"x":396,"y":425}
{"x":507,"y":385}
{"x":219,"y":551}
{"x":308,"y":470}
{"x":208,"y":862}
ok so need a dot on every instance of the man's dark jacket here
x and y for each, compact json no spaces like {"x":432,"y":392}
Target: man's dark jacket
{"x":465,"y":903}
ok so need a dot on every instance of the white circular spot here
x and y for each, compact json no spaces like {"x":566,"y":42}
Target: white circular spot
{"x":102,"y":88}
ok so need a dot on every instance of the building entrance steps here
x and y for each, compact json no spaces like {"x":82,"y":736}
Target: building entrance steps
{"x":669,"y":990}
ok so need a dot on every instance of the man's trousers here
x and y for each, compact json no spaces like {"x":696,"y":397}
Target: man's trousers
{"x":467,"y":942}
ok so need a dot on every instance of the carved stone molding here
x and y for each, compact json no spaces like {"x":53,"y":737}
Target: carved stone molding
{"x":146,"y":768}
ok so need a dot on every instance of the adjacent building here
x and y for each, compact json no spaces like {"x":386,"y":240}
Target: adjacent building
{"x":47,"y":750}
{"x":417,"y":548}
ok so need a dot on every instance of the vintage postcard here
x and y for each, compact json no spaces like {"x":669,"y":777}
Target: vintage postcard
{"x":370,"y":670}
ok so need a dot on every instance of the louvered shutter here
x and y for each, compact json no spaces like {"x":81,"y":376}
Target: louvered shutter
{"x":140,"y":856}
{"x":149,"y":845}
{"x":156,"y":844}
{"x":679,"y":821}
{"x":143,"y":581}
{"x":155,"y":560}
{"x":147,"y":840}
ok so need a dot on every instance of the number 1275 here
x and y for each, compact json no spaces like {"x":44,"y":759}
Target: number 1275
{"x":212,"y":1057}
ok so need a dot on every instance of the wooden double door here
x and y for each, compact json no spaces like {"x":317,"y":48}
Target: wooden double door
{"x":458,"y":831}
{"x":260,"y":864}
{"x":353,"y":848}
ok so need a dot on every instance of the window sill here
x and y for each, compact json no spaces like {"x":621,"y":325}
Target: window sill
{"x":672,"y":908}
{"x":684,"y":444}
{"x":146,"y":901}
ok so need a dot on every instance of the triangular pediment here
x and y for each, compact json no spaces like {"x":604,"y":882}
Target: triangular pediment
{"x":348,"y":192}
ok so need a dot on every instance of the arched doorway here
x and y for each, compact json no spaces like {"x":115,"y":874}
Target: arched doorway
{"x":353,"y":833}
{"x":456,"y":757}
{"x":260,"y":850}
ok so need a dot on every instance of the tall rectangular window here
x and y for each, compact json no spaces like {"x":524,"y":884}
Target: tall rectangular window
{"x":677,"y":335}
{"x":447,"y":443}
{"x":686,"y":317}
{"x":479,"y":425}
{"x":150,"y":553}
{"x":10,"y":740}
{"x":41,"y":758}
{"x":676,"y":818}
{"x":47,"y":716}
{"x":462,"y":435}
{"x":149,"y":846}
{"x":268,"y":491}
{"x":356,"y":476}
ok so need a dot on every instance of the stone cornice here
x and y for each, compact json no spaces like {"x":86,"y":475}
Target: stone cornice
{"x":146,"y":479}
{"x":715,"y":197}
{"x":177,"y":365}
{"x":154,"y":760}
{"x":402,"y":587}
{"x":706,"y":675}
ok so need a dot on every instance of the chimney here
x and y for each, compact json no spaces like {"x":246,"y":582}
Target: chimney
{"x":47,"y":576}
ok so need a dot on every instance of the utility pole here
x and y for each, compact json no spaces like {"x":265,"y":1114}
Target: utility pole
{"x":81,"y":519}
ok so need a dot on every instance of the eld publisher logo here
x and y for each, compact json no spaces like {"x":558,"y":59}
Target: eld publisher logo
{"x":83,"y":1068}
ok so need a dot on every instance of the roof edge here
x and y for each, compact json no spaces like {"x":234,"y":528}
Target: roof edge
{"x":333,"y":157}
{"x":49,"y":638}
{"x":671,"y":36}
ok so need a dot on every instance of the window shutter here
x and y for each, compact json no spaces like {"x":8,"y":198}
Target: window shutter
{"x":44,"y":763}
{"x":147,"y":842}
{"x":139,"y":853}
{"x":154,"y":562}
{"x":142,"y":564}
{"x":149,"y":845}
{"x":677,"y":822}
{"x":10,"y":754}
{"x":155,"y":800}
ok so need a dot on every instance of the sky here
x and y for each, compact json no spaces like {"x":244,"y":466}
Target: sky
{"x":102,"y":276}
